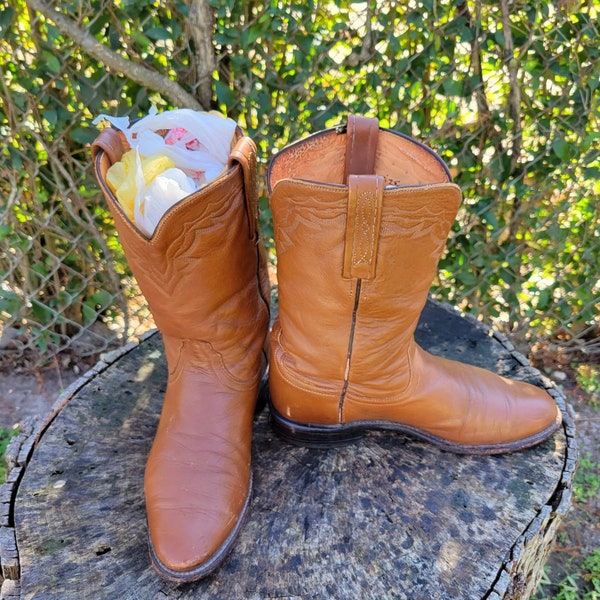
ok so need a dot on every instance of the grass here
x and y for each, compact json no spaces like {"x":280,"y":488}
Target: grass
{"x":5,"y":437}
{"x":584,"y":584}
{"x":586,"y":484}
{"x":577,"y":575}
{"x":588,"y":378}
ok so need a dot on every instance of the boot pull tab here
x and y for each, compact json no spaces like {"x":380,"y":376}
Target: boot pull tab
{"x":361,"y":145}
{"x":244,"y":153}
{"x":365,"y":201}
{"x":111,"y":142}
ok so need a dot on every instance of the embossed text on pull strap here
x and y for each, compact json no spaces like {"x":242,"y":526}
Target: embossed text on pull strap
{"x":365,"y":201}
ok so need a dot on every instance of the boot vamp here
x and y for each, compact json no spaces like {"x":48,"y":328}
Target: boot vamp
{"x":460,"y":403}
{"x":198,"y":474}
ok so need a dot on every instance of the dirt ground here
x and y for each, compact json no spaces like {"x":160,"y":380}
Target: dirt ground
{"x":579,"y":534}
{"x":24,"y":396}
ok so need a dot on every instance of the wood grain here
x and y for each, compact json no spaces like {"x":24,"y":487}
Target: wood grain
{"x":387,"y":517}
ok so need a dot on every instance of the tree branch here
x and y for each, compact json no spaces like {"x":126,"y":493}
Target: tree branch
{"x":479,"y":90}
{"x":514,"y":99}
{"x":201,"y":24}
{"x":139,"y":73}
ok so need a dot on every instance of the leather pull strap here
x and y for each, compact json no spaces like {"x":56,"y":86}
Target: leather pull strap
{"x":244,"y":153}
{"x":365,"y":201}
{"x":361,"y":145}
{"x":112,"y":143}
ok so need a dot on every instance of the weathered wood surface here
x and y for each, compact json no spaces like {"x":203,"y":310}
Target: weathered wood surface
{"x":387,"y":517}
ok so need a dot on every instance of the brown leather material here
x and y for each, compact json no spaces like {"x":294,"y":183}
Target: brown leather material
{"x":361,"y":145}
{"x":244,"y":152}
{"x":112,"y":143}
{"x":363,"y":224}
{"x":343,"y":353}
{"x":321,"y":158}
{"x":203,"y":274}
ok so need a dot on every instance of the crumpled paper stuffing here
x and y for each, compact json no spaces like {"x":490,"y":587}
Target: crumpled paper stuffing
{"x":160,"y":170}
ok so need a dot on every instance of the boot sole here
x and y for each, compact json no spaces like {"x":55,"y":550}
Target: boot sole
{"x":207,"y":567}
{"x":332,"y":436}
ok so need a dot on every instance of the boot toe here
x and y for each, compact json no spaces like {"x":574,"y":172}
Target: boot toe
{"x":535,"y":414}
{"x":477,"y":411}
{"x":193,"y":527}
{"x":503,"y":415}
{"x":189,"y":542}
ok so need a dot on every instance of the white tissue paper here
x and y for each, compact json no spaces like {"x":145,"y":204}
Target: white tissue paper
{"x":196,"y":147}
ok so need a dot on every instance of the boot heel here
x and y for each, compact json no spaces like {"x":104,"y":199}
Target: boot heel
{"x":313,"y":436}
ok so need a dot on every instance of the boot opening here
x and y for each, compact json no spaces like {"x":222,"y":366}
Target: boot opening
{"x":321,"y":158}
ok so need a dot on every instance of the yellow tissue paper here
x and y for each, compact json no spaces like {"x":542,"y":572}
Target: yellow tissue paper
{"x":121,"y":176}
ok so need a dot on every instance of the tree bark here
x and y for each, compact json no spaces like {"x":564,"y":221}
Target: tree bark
{"x":386,"y":517}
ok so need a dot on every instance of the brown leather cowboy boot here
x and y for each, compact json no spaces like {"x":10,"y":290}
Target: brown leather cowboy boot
{"x":361,"y":216}
{"x":204,"y":276}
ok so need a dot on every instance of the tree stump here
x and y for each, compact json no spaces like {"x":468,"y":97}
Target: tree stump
{"x":387,"y":517}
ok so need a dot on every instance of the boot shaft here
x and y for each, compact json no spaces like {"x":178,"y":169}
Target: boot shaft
{"x":361,"y":217}
{"x":202,"y":271}
{"x":361,"y":251}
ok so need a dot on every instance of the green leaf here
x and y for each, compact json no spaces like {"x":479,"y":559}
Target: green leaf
{"x":249,"y":36}
{"x":10,"y":302}
{"x":561,"y":148}
{"x":54,"y":34}
{"x":6,"y":17}
{"x":88,"y":313}
{"x":500,"y":166}
{"x":41,"y":342}
{"x":466,"y":277}
{"x":591,"y":172}
{"x":83,"y":135}
{"x":42,"y":312}
{"x":52,"y":62}
{"x":490,"y":218}
{"x":114,"y":38}
{"x":101,"y":298}
{"x":225,"y":95}
{"x":40,"y":269}
{"x":141,"y":40}
{"x":453,"y":87}
{"x":51,"y":116}
{"x":158,"y":33}
{"x":544,"y":298}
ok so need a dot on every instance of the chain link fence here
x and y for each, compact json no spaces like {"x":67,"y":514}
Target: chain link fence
{"x":506,"y":92}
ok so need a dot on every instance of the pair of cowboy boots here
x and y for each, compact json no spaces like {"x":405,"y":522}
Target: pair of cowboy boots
{"x":361,"y":215}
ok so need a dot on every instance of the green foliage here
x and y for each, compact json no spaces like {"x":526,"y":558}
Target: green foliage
{"x":512,"y":109}
{"x":584,"y":585}
{"x":61,"y":265}
{"x":588,"y":378}
{"x":5,"y":436}
{"x":528,"y":232}
{"x":587,"y":480}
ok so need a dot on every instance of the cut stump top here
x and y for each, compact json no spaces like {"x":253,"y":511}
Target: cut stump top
{"x":386,"y":517}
